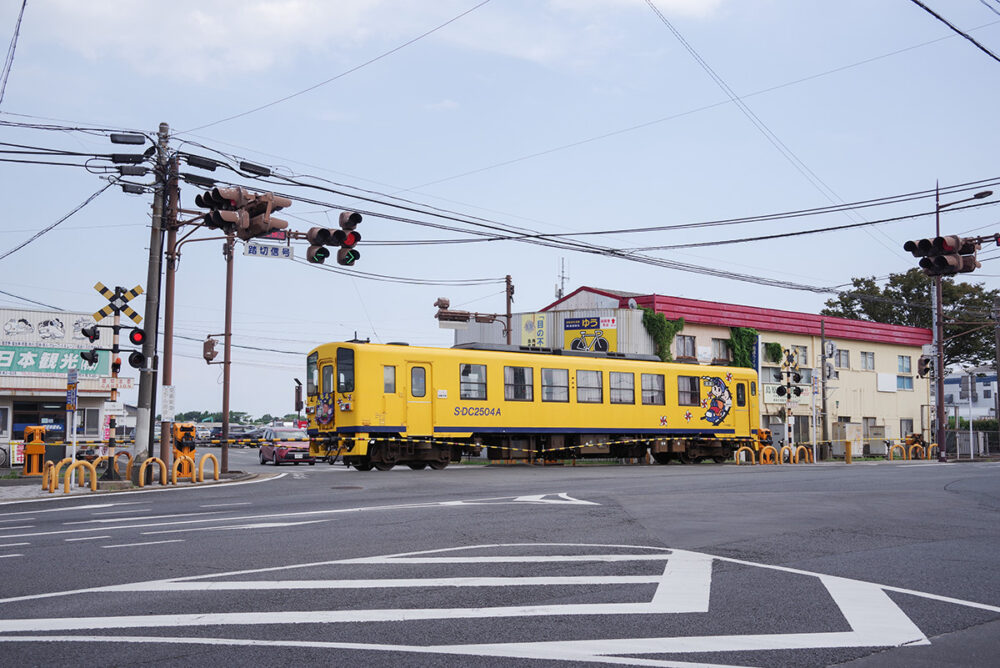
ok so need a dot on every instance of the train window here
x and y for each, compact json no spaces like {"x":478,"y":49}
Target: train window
{"x":621,"y":387}
{"x":589,"y":387}
{"x":741,"y":394}
{"x":389,"y":379}
{"x":312,"y":375}
{"x":653,"y":393}
{"x":518,"y":383}
{"x":418,"y":381}
{"x":345,"y":370}
{"x":688,"y":393}
{"x":327,"y":377}
{"x":472,"y":381}
{"x":555,"y":385}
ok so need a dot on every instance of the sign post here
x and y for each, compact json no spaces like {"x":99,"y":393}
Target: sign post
{"x":72,"y":383}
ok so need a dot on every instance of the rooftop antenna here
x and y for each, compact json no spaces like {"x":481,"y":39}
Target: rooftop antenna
{"x":561,"y":286}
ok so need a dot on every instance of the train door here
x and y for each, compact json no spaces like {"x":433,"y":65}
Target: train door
{"x":741,"y":410}
{"x":419,"y":401}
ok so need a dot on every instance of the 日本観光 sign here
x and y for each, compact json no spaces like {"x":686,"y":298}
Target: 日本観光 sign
{"x":35,"y":360}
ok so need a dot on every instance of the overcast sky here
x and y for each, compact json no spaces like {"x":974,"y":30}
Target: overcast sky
{"x":552,"y":117}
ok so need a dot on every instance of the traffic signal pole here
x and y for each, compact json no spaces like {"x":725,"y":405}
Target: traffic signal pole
{"x":147,"y":375}
{"x":173,"y":204}
{"x":227,"y":250}
{"x":939,"y":339}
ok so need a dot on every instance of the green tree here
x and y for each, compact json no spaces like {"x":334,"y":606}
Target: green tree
{"x":905,"y":299}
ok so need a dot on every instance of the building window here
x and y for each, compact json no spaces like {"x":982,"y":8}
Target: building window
{"x":3,"y":422}
{"x":88,"y":421}
{"x":687,"y":391}
{"x":721,"y":351}
{"x":806,"y":376}
{"x":867,"y":361}
{"x":518,"y":383}
{"x":685,"y":346}
{"x":555,"y":385}
{"x":418,"y":381}
{"x":903,"y":364}
{"x":846,"y":419}
{"x":472,"y":381}
{"x":621,"y":387}
{"x":905,"y":427}
{"x":652,"y":389}
{"x":904,"y":383}
{"x":770,"y":374}
{"x":949,"y":398}
{"x":987,"y":394}
{"x":389,"y":379}
{"x":843,"y":359}
{"x":801,"y":355}
{"x":589,"y":387}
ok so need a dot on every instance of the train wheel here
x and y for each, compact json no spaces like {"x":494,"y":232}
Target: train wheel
{"x":683,"y":458}
{"x":718,"y":459}
{"x":661,"y":457}
{"x":417,"y":466}
{"x":384,"y":466}
{"x":437,"y":466}
{"x":363,"y":466}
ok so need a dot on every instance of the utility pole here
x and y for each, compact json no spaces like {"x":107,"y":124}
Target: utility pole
{"x":227,"y":250}
{"x":996,"y":390}
{"x":173,"y":204}
{"x":147,"y":375}
{"x":510,"y":299}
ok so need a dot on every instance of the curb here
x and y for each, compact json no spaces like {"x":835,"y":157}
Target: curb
{"x":20,"y":491}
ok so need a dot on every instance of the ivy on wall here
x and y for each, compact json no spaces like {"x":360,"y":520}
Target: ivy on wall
{"x":772,"y":352}
{"x":742,"y":341}
{"x":662,"y":331}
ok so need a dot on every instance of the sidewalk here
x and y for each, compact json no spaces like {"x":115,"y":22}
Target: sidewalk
{"x":16,"y":489}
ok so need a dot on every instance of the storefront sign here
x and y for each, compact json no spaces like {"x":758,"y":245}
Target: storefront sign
{"x":594,"y":334}
{"x":535,"y":330}
{"x":40,"y":360}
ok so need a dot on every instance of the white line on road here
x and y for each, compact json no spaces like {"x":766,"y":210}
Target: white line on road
{"x":4,"y":556}
{"x":226,"y":505}
{"x":18,"y":519}
{"x":259,"y":525}
{"x":152,"y":542}
{"x":70,"y":540}
{"x":14,"y":544}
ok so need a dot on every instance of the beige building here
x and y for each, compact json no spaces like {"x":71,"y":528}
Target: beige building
{"x":873,"y":392}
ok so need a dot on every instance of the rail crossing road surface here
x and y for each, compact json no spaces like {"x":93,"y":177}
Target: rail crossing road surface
{"x":893,"y":564}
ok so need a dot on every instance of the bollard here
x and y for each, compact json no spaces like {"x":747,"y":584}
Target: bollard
{"x":54,"y":478}
{"x":768,"y":455}
{"x":748,"y":449}
{"x":808,"y":457}
{"x":892,"y":449}
{"x":917,"y":446}
{"x":87,"y":467}
{"x":781,"y":455}
{"x":185,"y":462}
{"x":201,"y":466}
{"x":128,"y":466}
{"x":142,"y":470}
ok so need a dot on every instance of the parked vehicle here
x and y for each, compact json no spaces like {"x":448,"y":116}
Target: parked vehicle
{"x":236,"y":431}
{"x":285,"y":444}
{"x":202,"y":434}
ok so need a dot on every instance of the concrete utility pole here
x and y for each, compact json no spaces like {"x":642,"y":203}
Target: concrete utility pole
{"x":996,"y":367}
{"x":939,"y":340}
{"x":510,"y":299}
{"x":147,"y":375}
{"x":173,"y":204}
{"x":227,"y":251}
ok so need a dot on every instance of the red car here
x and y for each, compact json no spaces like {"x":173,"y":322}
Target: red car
{"x":285,"y":444}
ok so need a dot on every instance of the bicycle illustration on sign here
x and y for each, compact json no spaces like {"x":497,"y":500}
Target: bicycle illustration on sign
{"x":596,"y":343}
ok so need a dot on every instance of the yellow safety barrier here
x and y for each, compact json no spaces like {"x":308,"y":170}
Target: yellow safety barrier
{"x":930,"y":448}
{"x":54,"y":478}
{"x":183,"y":461}
{"x":917,"y":446}
{"x":800,"y":449}
{"x":142,"y":470}
{"x":791,"y":454}
{"x":201,"y":466}
{"x":128,"y":467}
{"x":892,"y":448}
{"x":768,"y":455}
{"x":86,"y":466}
{"x":47,"y":470}
{"x":748,"y":449}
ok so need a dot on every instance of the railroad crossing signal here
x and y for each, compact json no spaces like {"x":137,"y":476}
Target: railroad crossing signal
{"x":925,"y":366}
{"x":118,"y":303}
{"x":945,"y":256}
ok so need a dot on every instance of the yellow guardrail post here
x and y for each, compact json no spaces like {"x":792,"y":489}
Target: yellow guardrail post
{"x":128,"y":466}
{"x":86,"y":466}
{"x":54,"y":480}
{"x":781,"y":455}
{"x":47,"y":470}
{"x":808,"y":457}
{"x":892,"y":449}
{"x":768,"y":455}
{"x":142,"y":470}
{"x":914,"y":447}
{"x":931,"y":447}
{"x":748,"y":449}
{"x":185,"y":461}
{"x":201,"y":466}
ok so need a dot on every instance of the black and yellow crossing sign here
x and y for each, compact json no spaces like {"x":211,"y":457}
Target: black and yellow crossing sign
{"x":118,"y":302}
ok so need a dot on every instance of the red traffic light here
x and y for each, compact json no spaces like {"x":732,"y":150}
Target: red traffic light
{"x":137,"y":336}
{"x":91,"y":333}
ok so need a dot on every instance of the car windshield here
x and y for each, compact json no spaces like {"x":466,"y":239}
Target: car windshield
{"x":289,"y":433}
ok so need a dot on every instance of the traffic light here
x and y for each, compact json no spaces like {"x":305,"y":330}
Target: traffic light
{"x":925,"y":366}
{"x":116,"y":365}
{"x":347,"y":238}
{"x":90,"y":356}
{"x":945,"y":256}
{"x":91,"y":333}
{"x":260,"y":222}
{"x":136,"y":360}
{"x":227,"y":207}
{"x":319,"y":238}
{"x":208,"y":350}
{"x":137,"y":336}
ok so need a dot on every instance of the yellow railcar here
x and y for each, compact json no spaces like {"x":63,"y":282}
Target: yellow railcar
{"x":381,"y":405}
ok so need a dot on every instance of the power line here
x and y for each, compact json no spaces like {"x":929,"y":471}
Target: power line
{"x":342,"y":74}
{"x":53,"y":225}
{"x":31,"y":301}
{"x":963,"y":34}
{"x":9,"y":61}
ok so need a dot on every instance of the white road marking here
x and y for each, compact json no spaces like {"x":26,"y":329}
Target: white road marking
{"x":226,"y":505}
{"x":112,"y":520}
{"x":560,"y":498}
{"x":70,"y":540}
{"x":120,"y":512}
{"x":4,"y":556}
{"x":26,"y":526}
{"x":18,"y":519}
{"x":259,"y":525}
{"x":14,"y":544}
{"x":152,"y":542}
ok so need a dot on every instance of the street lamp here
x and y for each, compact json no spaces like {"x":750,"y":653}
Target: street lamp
{"x":939,"y":321}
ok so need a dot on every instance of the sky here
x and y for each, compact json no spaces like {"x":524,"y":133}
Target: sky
{"x":442,"y":120}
